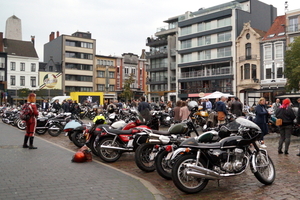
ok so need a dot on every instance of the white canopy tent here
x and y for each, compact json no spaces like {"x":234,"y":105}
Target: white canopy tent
{"x":217,"y":94}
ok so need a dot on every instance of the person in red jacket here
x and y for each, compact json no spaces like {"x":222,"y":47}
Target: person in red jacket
{"x":31,"y":123}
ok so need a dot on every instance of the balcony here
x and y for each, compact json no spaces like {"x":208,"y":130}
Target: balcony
{"x":157,"y":80}
{"x":159,"y":67}
{"x":104,"y":66}
{"x":294,"y":28}
{"x":248,"y":57}
{"x":207,"y":73}
{"x":173,"y":79}
{"x":173,"y":65}
{"x":154,"y":42}
{"x":157,"y":54}
{"x":206,"y":90}
{"x":165,"y":30}
{"x":173,"y":52}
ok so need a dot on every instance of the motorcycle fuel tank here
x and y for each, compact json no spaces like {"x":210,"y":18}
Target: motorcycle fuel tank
{"x":230,"y":142}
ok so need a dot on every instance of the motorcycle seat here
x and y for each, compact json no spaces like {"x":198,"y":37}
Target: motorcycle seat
{"x":120,"y":132}
{"x":161,"y":132}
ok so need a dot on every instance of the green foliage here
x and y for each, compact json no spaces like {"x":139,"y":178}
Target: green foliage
{"x":127,"y":92}
{"x":292,"y":65}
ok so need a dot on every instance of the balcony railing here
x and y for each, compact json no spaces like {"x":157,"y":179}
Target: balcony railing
{"x":248,"y":57}
{"x":206,"y":73}
{"x":293,"y":28}
{"x":164,"y":28}
{"x":206,"y":90}
{"x":158,"y":79}
{"x":159,"y":66}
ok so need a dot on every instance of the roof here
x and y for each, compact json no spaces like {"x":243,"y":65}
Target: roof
{"x":19,"y":48}
{"x":277,"y":30}
{"x":260,"y":32}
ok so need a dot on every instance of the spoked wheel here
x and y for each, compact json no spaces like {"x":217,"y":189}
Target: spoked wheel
{"x":163,"y":166}
{"x":109,"y":155}
{"x":55,"y":130}
{"x":78,"y":138}
{"x":182,"y":180}
{"x":40,"y":131}
{"x":21,"y":124}
{"x":265,"y":168}
{"x":144,"y":157}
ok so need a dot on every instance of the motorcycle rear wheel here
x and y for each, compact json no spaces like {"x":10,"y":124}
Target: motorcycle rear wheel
{"x":265,"y":168}
{"x":78,"y":138}
{"x":40,"y":131}
{"x":55,"y":133}
{"x":163,"y":166}
{"x":144,"y":157}
{"x":109,"y":155}
{"x":186,"y":183}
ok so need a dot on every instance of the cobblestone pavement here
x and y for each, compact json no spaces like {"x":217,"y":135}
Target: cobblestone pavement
{"x":245,"y":186}
{"x":48,"y":173}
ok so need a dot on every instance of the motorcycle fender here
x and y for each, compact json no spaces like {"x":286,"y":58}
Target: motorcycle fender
{"x":177,"y":151}
{"x":252,"y":163}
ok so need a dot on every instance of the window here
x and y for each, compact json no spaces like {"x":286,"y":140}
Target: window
{"x":79,"y":78}
{"x":200,"y":41}
{"x":224,"y":52}
{"x":22,"y":66}
{"x":248,"y":51}
{"x":111,"y":88}
{"x":247,"y":71}
{"x":33,"y":81}
{"x":268,"y":68}
{"x":100,"y":87}
{"x":51,"y":68}
{"x":253,"y":71}
{"x":223,"y":37}
{"x":126,"y":71}
{"x":242,"y":72}
{"x":186,"y":30}
{"x":70,"y":55}
{"x":12,"y":80}
{"x":13,"y":66}
{"x":186,"y":44}
{"x":2,"y":62}
{"x":70,"y":43}
{"x":207,"y":39}
{"x":204,"y":55}
{"x":279,"y":51}
{"x":224,"y":22}
{"x":133,"y":71}
{"x":111,"y":74}
{"x":268,"y":52}
{"x":87,"y":45}
{"x":200,"y":27}
{"x":22,"y":80}
{"x":100,"y":74}
{"x":293,"y":24}
{"x":33,"y":67}
{"x":186,"y":58}
{"x":279,"y":70}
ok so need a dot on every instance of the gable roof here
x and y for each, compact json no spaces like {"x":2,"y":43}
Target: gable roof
{"x":277,"y":30}
{"x":260,"y":32}
{"x":19,"y":48}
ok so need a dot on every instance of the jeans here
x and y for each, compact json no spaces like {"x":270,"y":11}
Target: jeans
{"x":285,"y":136}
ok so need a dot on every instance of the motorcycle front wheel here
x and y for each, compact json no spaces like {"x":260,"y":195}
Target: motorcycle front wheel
{"x":265,"y":168}
{"x":78,"y":138}
{"x":144,"y":157}
{"x":163,"y":166}
{"x":183,"y":181}
{"x":21,"y":124}
{"x":109,"y":155}
{"x":55,"y":130}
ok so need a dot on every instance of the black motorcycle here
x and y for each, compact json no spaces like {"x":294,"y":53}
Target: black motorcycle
{"x":200,"y":162}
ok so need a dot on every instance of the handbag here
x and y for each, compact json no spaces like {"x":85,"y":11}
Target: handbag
{"x":221,"y":116}
{"x":278,"y":122}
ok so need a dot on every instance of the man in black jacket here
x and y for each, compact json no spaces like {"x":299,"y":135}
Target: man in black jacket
{"x":144,"y":108}
{"x":236,"y":107}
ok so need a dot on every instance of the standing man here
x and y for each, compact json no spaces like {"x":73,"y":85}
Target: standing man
{"x":45,"y":105}
{"x":221,"y":110}
{"x":276,"y":105}
{"x":237,"y":107}
{"x":144,"y":108}
{"x":208,"y":104}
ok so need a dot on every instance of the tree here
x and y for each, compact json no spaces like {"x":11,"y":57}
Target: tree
{"x":127,"y":92}
{"x":292,"y":65}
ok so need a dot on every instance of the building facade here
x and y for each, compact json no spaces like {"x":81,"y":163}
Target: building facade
{"x":105,"y":80}
{"x":273,"y":47}
{"x":3,"y":71}
{"x":161,"y":71}
{"x":248,"y":64}
{"x":76,"y":54}
{"x":206,"y":45}
{"x":292,"y":25}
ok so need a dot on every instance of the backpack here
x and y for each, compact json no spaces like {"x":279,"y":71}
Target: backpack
{"x":26,"y":112}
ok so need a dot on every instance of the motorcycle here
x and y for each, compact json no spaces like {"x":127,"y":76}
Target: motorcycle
{"x":200,"y":162}
{"x":51,"y":123}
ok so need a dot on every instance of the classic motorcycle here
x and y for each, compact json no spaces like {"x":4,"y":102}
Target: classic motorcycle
{"x":201,"y":162}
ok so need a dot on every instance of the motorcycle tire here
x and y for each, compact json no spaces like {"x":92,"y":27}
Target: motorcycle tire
{"x":78,"y":138}
{"x":55,"y":133}
{"x":267,"y":164}
{"x":163,"y":167}
{"x":21,"y":124}
{"x":93,"y":146}
{"x":109,"y":155}
{"x":183,"y":181}
{"x":145,"y":157}
{"x":40,"y":131}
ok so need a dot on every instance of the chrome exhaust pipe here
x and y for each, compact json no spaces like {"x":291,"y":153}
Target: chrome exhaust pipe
{"x":111,"y":147}
{"x":41,"y":128}
{"x":199,"y":175}
{"x":204,"y":171}
{"x":54,"y":128}
{"x":154,"y":141}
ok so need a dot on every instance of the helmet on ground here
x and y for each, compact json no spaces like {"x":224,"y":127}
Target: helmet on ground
{"x":79,"y":157}
{"x":99,"y":119}
{"x":193,"y":105}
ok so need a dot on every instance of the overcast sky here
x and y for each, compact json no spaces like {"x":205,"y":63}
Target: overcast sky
{"x":119,"y":26}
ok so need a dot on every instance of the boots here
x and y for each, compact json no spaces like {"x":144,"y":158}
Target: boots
{"x":25,"y":142}
{"x":31,"y":143}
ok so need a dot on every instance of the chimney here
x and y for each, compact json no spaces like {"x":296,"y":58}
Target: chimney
{"x":51,"y":36}
{"x":1,"y":42}
{"x":32,"y":39}
{"x":57,"y":34}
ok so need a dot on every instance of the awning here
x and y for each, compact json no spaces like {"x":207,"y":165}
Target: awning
{"x":288,"y":96}
{"x":198,"y":95}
